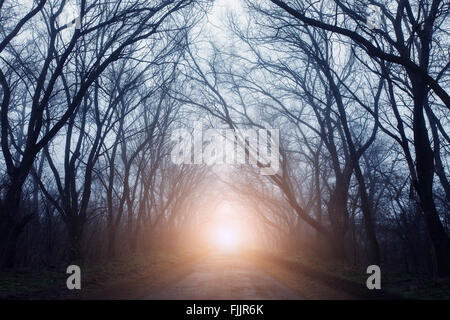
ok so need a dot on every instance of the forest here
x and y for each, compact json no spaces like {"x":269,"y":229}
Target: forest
{"x":347,"y":101}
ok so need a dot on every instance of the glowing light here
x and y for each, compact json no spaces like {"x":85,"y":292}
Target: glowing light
{"x":227,"y":229}
{"x":227,"y":238}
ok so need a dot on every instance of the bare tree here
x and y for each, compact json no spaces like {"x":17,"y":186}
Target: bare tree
{"x":39,"y":74}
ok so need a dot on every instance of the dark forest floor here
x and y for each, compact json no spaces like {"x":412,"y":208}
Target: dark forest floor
{"x":197,"y":274}
{"x":293,"y":269}
{"x":98,"y":281}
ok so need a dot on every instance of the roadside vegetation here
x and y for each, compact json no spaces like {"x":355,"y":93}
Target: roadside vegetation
{"x":99,"y":280}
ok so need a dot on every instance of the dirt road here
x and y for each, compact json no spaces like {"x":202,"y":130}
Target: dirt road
{"x":226,"y":277}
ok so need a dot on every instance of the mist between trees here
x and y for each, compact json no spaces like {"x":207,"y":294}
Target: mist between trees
{"x":88,"y":109}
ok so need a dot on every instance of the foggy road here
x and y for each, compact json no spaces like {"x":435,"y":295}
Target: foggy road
{"x":226,"y":277}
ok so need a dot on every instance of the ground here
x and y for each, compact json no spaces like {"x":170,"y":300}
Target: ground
{"x":207,"y":275}
{"x":224,"y":277}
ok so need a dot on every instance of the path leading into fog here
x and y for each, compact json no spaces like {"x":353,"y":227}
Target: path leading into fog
{"x":225,"y":277}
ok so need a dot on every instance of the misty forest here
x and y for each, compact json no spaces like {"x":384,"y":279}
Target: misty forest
{"x":350,"y":100}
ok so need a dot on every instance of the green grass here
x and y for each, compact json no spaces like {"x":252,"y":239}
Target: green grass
{"x":410,"y":286}
{"x":24,"y":283}
{"x":51,"y":284}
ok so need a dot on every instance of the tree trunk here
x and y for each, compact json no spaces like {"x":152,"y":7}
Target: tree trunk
{"x":11,"y":225}
{"x":75,"y":236}
{"x":424,"y":184}
{"x":338,"y":213}
{"x":112,"y":241}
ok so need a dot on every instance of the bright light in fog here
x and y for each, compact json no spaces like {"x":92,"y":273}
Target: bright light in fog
{"x":227,"y":238}
{"x":227,"y":228}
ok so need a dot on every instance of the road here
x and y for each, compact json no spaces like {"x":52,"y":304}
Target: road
{"x":225,"y":276}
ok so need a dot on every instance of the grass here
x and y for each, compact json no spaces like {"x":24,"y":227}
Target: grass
{"x":296,"y":271}
{"x":95,"y":277}
{"x":24,"y":283}
{"x":409,"y":286}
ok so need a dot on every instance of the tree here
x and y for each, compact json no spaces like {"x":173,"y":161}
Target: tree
{"x":402,"y":45}
{"x":41,"y":75}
